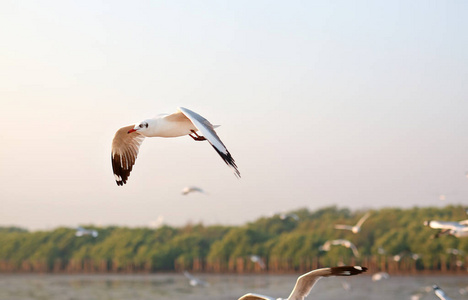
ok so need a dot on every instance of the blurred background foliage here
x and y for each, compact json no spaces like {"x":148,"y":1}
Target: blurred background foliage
{"x":293,"y":236}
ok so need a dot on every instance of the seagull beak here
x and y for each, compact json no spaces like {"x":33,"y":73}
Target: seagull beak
{"x":131,"y":130}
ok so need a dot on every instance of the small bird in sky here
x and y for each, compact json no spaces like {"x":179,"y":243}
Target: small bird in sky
{"x":127,"y":140}
{"x":191,"y":189}
{"x":341,"y":242}
{"x":356,"y":228}
{"x":80,"y":231}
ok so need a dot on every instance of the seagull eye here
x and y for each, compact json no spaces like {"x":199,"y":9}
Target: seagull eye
{"x":146,"y":124}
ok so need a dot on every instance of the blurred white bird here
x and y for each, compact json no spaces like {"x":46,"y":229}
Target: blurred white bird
{"x":381,"y":251}
{"x":80,"y":231}
{"x":290,"y":215}
{"x":127,"y":140}
{"x":380,"y":275}
{"x":440,"y":293}
{"x":258,"y":260}
{"x":193,"y":281}
{"x":341,"y":242}
{"x":156,"y":223}
{"x":463,"y":291}
{"x":356,"y":228}
{"x":191,"y":189}
{"x":305,"y":283}
{"x":457,"y":229}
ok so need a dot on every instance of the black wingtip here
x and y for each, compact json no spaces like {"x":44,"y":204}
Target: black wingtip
{"x":348,"y":270}
{"x":229,"y":161}
{"x":120,"y":173}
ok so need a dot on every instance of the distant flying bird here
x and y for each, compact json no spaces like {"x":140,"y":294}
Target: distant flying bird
{"x":290,"y":215}
{"x":258,"y":260}
{"x":440,"y":293}
{"x":156,"y":223}
{"x":381,"y":251}
{"x":80,"y":231}
{"x":463,"y":291}
{"x":457,"y":229}
{"x":127,"y":140}
{"x":454,"y":251}
{"x":356,"y":228}
{"x":341,"y":242}
{"x":194,"y":281}
{"x":191,"y":189}
{"x":379,"y":276}
{"x":305,"y":283}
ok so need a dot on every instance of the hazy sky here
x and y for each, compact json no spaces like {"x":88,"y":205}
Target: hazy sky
{"x":360,"y":104}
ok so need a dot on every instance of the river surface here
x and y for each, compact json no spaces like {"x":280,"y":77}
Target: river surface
{"x":176,"y":286}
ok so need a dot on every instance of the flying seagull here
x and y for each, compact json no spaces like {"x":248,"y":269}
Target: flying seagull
{"x":440,"y":293}
{"x":356,"y":228}
{"x":457,"y":229}
{"x":127,"y":140}
{"x":380,"y":275}
{"x":290,"y":215}
{"x":305,"y":282}
{"x":80,"y":231}
{"x":345,"y":243}
{"x":258,"y":260}
{"x":195,"y":281}
{"x":191,"y":189}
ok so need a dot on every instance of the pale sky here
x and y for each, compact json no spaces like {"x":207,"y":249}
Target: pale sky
{"x":360,"y":104}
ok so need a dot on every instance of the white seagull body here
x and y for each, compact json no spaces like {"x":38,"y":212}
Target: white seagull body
{"x":440,"y":293}
{"x":305,"y":283}
{"x":192,"y":189}
{"x":127,"y":140}
{"x":356,"y":228}
{"x":80,"y":231}
{"x":456,"y":229}
{"x":341,"y":242}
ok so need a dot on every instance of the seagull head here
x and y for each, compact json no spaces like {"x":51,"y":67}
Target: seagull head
{"x":139,"y":127}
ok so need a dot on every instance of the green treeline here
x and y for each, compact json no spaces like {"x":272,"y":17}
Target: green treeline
{"x":219,"y":248}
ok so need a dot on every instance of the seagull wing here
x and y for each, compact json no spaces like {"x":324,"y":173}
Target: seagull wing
{"x":355,"y":251}
{"x":125,"y":148}
{"x":362,"y":220}
{"x":207,"y":129}
{"x":251,"y":296}
{"x":189,"y":276}
{"x":345,"y":227}
{"x":440,"y":293}
{"x":305,"y":283}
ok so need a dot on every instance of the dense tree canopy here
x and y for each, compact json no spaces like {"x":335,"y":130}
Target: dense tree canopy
{"x":294,"y":236}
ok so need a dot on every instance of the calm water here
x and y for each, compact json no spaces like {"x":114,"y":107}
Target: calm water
{"x":175,"y":286}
